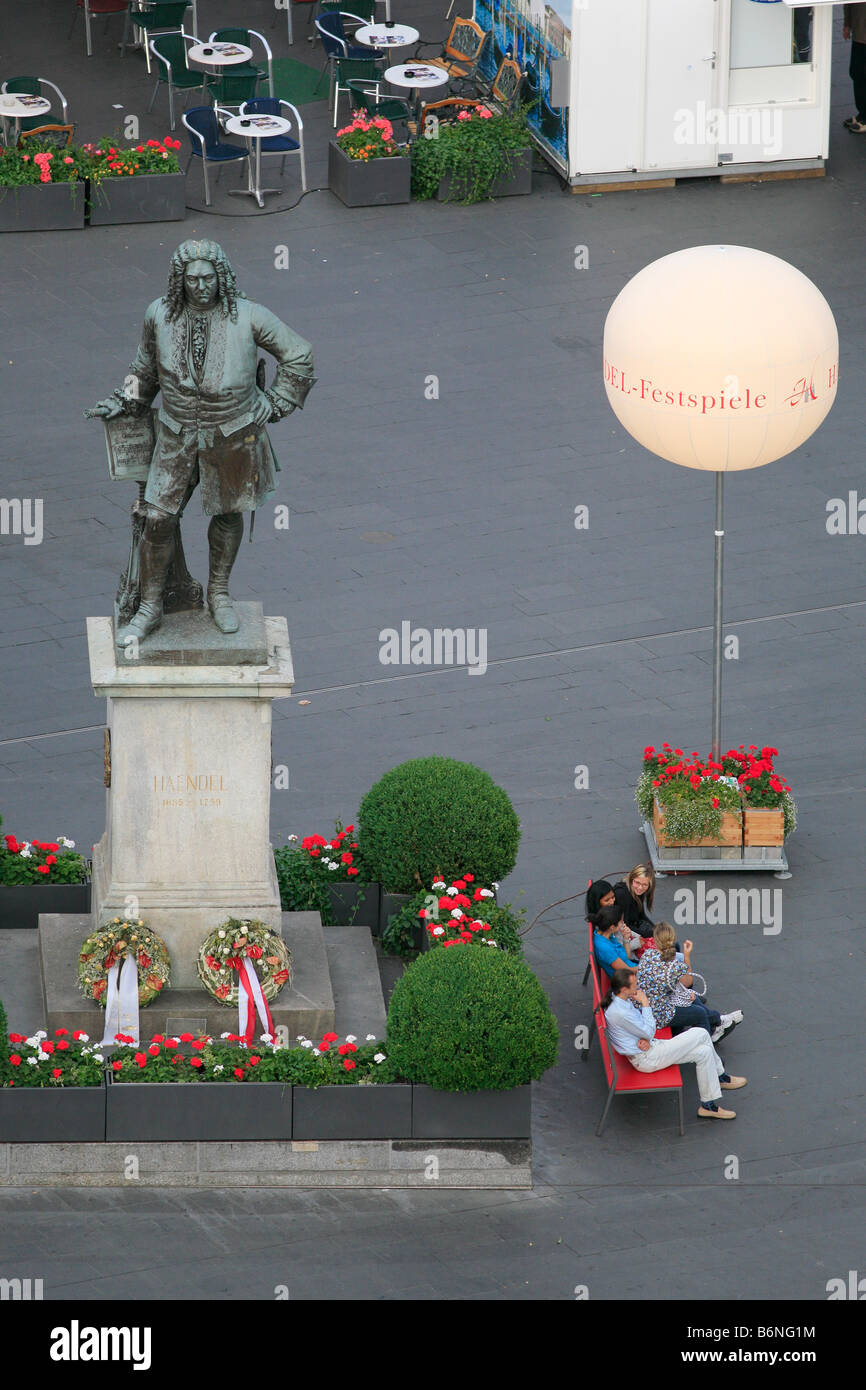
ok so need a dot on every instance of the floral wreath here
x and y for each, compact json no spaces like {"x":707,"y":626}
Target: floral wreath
{"x":222,"y":951}
{"x":106,"y":947}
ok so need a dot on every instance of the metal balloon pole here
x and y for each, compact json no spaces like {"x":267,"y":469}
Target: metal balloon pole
{"x":716,"y":741}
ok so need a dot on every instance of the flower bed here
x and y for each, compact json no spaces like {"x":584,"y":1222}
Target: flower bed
{"x":46,"y":187}
{"x":475,"y":156}
{"x":308,"y":870}
{"x":365,"y":164}
{"x":40,"y":876}
{"x":695,"y":802}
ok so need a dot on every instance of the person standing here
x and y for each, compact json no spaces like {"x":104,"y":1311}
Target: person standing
{"x":854,"y":28}
{"x":631,"y":1028}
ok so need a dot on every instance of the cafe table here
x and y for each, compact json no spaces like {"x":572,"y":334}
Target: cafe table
{"x":18,"y":106}
{"x":419,"y":77}
{"x":386,"y":35}
{"x":258,"y":128}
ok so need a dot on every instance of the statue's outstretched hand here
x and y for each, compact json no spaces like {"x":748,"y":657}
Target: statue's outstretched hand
{"x":105,"y":410}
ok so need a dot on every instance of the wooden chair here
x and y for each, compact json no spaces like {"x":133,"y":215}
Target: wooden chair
{"x":59,"y":135}
{"x":463,"y":49}
{"x":447,"y":109}
{"x":503,"y":92}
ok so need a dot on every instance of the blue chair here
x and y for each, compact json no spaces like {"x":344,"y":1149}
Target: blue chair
{"x":279,"y":144}
{"x":202,"y":125}
{"x":336,"y":43}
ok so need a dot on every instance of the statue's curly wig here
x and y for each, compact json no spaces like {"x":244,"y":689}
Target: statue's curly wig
{"x":227,"y":290}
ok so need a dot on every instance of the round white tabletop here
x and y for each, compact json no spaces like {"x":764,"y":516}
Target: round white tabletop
{"x":416,"y":75}
{"x":21,"y":104}
{"x":219,"y":55}
{"x":259,"y":127}
{"x":381,"y":36}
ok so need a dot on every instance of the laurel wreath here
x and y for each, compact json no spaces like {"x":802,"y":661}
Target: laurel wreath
{"x":109,"y":945}
{"x":222,"y":951}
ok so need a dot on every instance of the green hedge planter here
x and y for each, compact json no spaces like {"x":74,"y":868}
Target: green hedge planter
{"x":518,"y":182}
{"x":48,"y":207}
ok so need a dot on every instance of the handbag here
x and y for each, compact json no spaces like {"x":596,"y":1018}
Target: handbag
{"x":681,"y":997}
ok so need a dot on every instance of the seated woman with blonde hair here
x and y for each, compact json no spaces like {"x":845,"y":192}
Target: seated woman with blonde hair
{"x":665,"y":976}
{"x":634,"y":894}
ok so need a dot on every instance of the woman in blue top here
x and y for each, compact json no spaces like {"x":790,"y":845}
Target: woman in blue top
{"x":611,"y":940}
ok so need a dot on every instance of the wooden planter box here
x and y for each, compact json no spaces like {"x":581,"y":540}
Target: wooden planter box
{"x":763,"y":827}
{"x":352,"y":1112}
{"x":42,"y":207}
{"x":21,"y":904}
{"x":142,"y":198}
{"x":730,"y":834}
{"x":356,"y":904}
{"x":514,"y":184}
{"x":360,"y":183}
{"x":471,"y":1114}
{"x":52,"y":1115}
{"x":148,"y":1112}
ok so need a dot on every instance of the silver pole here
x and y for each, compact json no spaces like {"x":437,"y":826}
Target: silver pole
{"x":716,"y":746}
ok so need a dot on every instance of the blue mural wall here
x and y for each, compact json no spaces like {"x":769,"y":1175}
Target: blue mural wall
{"x":534,"y":32}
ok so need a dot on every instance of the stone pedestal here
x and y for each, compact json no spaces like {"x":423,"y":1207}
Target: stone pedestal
{"x":187,"y":840}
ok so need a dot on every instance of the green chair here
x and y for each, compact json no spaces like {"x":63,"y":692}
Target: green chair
{"x":233,"y":88}
{"x":32,"y":87}
{"x":244,"y":36}
{"x":170,"y":52}
{"x":347,"y":68}
{"x":157,"y":17}
{"x":364,"y":91}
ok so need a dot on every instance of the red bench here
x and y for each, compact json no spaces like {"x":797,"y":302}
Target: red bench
{"x":622,"y":1078}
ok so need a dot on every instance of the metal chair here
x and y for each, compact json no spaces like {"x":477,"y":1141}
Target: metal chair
{"x":463,"y":49}
{"x":58,"y":135}
{"x":311,"y":5}
{"x":170,"y":51}
{"x":336,"y":45}
{"x":246,"y":69}
{"x":377,"y":103}
{"x":282,"y":145}
{"x":32,"y":86}
{"x":350,"y":69}
{"x":232,"y":88}
{"x":155,"y":16}
{"x":202,"y":125}
{"x":96,"y":7}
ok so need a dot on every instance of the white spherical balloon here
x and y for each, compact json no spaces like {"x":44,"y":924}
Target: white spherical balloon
{"x":720,"y":357}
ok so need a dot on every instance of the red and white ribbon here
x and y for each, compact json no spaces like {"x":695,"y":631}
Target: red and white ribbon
{"x":250,"y":999}
{"x":121,"y":1001}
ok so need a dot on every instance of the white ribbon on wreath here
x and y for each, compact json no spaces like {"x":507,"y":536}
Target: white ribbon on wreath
{"x":121,"y":1001}
{"x":250,"y":999}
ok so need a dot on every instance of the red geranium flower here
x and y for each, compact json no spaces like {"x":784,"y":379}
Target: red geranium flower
{"x":196,"y":1062}
{"x":62,"y":1046}
{"x":239,"y":1074}
{"x":15,"y":1060}
{"x":141,"y":1059}
{"x":48,"y":1046}
{"x":115,"y":1066}
{"x":55,"y":1072}
{"x":186,"y":1037}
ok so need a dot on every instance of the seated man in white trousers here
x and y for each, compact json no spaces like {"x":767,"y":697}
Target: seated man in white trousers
{"x":631,"y":1029}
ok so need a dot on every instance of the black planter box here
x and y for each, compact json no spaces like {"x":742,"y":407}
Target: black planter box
{"x":513,"y":184}
{"x":471,"y":1114}
{"x":365,"y":183}
{"x":392,"y":903}
{"x":352,"y":1112}
{"x":356,"y":904}
{"x":52,"y":1115}
{"x":141,"y":198}
{"x":155,"y":1112}
{"x":42,"y":207}
{"x":21,"y":904}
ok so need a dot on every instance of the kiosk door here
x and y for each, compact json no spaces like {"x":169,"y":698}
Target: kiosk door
{"x":682,"y":46}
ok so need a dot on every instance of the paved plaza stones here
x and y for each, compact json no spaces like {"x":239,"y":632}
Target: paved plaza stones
{"x":458,"y":512}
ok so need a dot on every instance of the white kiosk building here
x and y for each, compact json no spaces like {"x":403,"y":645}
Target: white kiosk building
{"x":637,"y":91}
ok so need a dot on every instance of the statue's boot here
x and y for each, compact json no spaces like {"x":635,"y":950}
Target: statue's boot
{"x":156,"y":549}
{"x":224,"y":535}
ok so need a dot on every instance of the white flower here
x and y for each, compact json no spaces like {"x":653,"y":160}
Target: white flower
{"x":32,"y":1042}
{"x":379,"y":1057}
{"x":496,"y":886}
{"x":371,"y":1037}
{"x":350,"y":1037}
{"x":223,"y":1035}
{"x":300,"y":1038}
{"x":458,"y":913}
{"x":26,"y":853}
{"x":41,"y":1034}
{"x":316,"y":1052}
{"x":221,"y":935}
{"x":84,"y":1037}
{"x":488,"y":941}
{"x":31,"y":1061}
{"x":293,"y":839}
{"x":266,"y":1038}
{"x":438,"y":884}
{"x":218,"y":1069}
{"x":486,"y":893}
{"x":452,"y":891}
{"x":42,"y":1056}
{"x":438,"y":931}
{"x":98,"y":1057}
{"x":306,"y":1043}
{"x":332,"y":864}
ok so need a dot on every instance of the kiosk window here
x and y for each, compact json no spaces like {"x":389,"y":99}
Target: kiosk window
{"x":767,"y":34}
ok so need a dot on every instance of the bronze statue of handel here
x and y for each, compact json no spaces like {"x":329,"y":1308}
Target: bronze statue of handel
{"x":198,"y":347}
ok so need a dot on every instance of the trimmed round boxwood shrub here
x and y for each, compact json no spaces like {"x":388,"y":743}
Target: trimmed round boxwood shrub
{"x":464,"y":1018}
{"x":436,"y":817}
